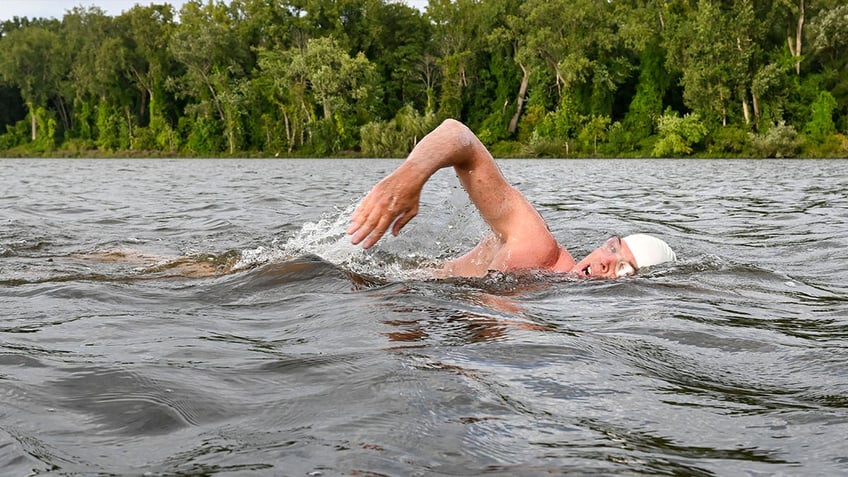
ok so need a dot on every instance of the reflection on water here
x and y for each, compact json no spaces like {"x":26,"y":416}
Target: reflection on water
{"x":210,"y":317}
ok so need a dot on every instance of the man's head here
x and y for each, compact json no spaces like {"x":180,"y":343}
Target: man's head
{"x":619,"y":257}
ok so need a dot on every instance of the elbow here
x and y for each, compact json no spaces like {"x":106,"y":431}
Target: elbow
{"x":452,"y":123}
{"x":463,"y":136}
{"x":452,"y":127}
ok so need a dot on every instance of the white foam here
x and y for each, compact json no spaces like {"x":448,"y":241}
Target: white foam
{"x":447,"y":228}
{"x":327,"y":239}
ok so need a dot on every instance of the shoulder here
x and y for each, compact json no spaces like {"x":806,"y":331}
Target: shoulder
{"x":536,"y":250}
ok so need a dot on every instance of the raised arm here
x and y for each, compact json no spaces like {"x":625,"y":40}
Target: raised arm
{"x":394,"y":201}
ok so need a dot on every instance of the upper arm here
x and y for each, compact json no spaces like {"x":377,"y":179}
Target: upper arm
{"x":521,"y":236}
{"x":507,"y":212}
{"x":524,"y":237}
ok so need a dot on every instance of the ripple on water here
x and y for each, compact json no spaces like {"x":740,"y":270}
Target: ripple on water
{"x":314,"y":357}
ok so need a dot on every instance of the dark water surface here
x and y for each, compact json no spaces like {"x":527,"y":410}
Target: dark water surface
{"x":313,"y":358}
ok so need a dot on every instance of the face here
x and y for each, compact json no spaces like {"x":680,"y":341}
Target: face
{"x":611,"y":260}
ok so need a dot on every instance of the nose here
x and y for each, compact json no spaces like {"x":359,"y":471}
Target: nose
{"x":600,"y":267}
{"x":604,"y":266}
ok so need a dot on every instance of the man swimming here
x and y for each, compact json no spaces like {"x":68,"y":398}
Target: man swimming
{"x":520,"y":240}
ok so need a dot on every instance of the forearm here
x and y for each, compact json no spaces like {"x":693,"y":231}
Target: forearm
{"x":394,"y":200}
{"x":451,"y":144}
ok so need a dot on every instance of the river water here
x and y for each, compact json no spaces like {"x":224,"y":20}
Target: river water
{"x":311,"y":357}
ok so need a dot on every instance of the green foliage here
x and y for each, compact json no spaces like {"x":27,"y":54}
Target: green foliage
{"x":728,"y":140}
{"x":678,"y":134}
{"x":618,"y":139}
{"x":112,"y":129}
{"x":834,"y":145}
{"x":15,"y":136}
{"x":647,"y":105}
{"x":830,"y":31}
{"x":561,"y":124}
{"x":820,"y":125}
{"x":46,"y":127}
{"x":397,"y":137}
{"x":506,"y":149}
{"x":337,"y":80}
{"x":22,"y":62}
{"x":593,"y":132}
{"x":773,"y":85}
{"x":541,"y":77}
{"x":205,"y":135}
{"x":143,"y":139}
{"x":532,"y":117}
{"x":540,"y":147}
{"x":166,"y":138}
{"x":781,"y":140}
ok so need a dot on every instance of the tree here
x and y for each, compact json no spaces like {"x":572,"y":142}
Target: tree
{"x":22,"y":64}
{"x":205,"y":44}
{"x":830,"y":41}
{"x":512,"y":37}
{"x":148,"y":31}
{"x":713,"y":48}
{"x":287,"y":91}
{"x":397,"y":56}
{"x":342,"y":85}
{"x":796,"y":41}
{"x":455,"y":37}
{"x":677,"y":135}
{"x":97,"y":83}
{"x":821,"y":125}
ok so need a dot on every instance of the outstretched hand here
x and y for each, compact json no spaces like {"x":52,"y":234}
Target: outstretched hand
{"x":393,"y":202}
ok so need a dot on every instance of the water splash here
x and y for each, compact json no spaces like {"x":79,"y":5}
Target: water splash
{"x":327,"y":239}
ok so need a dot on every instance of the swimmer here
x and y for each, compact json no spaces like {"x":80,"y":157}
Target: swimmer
{"x":520,"y":240}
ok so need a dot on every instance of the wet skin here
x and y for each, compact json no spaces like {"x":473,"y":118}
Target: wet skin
{"x":520,"y":238}
{"x":613,"y":259}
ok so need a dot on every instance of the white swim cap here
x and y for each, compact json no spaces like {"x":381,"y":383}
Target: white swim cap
{"x":649,"y":250}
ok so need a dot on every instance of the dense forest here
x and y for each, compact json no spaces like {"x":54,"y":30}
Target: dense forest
{"x":664,"y":78}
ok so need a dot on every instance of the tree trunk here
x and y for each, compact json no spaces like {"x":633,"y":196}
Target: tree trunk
{"x":289,"y":134}
{"x":147,"y":107}
{"x":795,"y":48}
{"x":129,"y":124}
{"x":328,"y":113}
{"x":798,"y":36}
{"x":34,"y":124}
{"x":63,"y":113}
{"x":522,"y":91}
{"x":745,"y":111}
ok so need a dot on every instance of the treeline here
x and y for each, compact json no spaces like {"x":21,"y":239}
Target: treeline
{"x":370,"y":77}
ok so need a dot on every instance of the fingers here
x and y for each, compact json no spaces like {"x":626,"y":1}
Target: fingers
{"x":372,"y":231}
{"x":398,"y":224}
{"x":355,"y":221}
{"x":402,"y":220}
{"x":368,"y":224}
{"x":359,"y":217}
{"x":383,"y":208}
{"x":377,"y":233}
